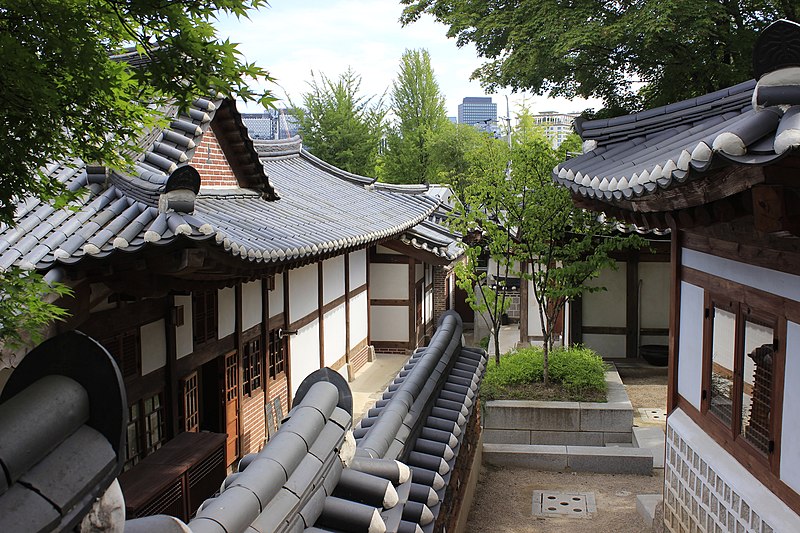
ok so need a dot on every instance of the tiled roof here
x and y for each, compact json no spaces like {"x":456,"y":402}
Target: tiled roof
{"x":750,"y":124}
{"x":313,"y":476}
{"x":322,"y":210}
{"x":62,"y":416}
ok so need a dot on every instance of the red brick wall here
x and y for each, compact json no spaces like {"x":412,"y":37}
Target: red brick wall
{"x":280,"y":388}
{"x":393,"y":351}
{"x":253,"y":429}
{"x":210,"y":162}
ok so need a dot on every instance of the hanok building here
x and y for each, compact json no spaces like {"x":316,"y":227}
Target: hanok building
{"x":218,"y":289}
{"x":720,"y":171}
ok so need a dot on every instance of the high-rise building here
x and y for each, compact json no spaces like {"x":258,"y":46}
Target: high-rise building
{"x":557,"y":126}
{"x":478,"y":111}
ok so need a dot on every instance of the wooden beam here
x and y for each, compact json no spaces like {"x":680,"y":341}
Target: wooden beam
{"x":774,"y":209}
{"x":674,"y":319}
{"x":321,"y":314}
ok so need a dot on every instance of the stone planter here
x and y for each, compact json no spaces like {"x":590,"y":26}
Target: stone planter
{"x":561,"y":423}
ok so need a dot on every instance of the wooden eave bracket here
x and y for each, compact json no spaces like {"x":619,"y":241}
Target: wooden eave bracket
{"x":775,"y":209}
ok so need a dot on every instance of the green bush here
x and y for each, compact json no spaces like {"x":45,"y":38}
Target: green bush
{"x":578,"y":370}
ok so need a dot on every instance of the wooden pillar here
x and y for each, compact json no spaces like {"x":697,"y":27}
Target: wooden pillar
{"x":576,"y":321}
{"x":239,"y":368}
{"x":632,"y":306}
{"x":173,"y":392}
{"x":288,"y":355}
{"x":321,"y":319}
{"x":674,"y":318}
{"x":350,"y":374}
{"x":412,"y":303}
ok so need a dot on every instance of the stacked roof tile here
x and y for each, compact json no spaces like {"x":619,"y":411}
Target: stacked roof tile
{"x":749,"y":124}
{"x":159,"y":202}
{"x":313,"y":476}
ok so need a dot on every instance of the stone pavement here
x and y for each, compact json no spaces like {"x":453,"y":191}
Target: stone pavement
{"x":371,"y":380}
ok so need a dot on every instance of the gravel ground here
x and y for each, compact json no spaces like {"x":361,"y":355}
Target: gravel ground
{"x":503,"y":499}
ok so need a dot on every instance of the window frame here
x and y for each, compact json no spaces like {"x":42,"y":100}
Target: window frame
{"x":252,"y":366}
{"x":730,"y":434}
{"x":207,"y":331}
{"x":273,"y":363}
{"x":140,"y":424}
{"x":115,"y":345}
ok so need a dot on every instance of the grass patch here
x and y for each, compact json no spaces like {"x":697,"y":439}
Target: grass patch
{"x":576,"y":374}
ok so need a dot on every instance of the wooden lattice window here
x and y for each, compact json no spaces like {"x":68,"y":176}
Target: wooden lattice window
{"x":204,"y":316}
{"x":191,"y":403}
{"x":739,"y":383}
{"x":126,"y":350}
{"x":146,"y":428}
{"x":251,"y":363}
{"x":277,"y":354}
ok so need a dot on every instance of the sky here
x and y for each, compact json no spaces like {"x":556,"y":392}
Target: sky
{"x":293,"y":38}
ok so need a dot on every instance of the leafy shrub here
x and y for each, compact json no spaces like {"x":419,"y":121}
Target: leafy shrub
{"x":579,"y":371}
{"x":484,"y":342}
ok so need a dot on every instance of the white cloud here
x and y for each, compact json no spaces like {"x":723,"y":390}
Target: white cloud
{"x":291,"y":38}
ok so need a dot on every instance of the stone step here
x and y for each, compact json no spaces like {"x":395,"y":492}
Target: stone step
{"x":619,"y":445}
{"x":576,"y":458}
{"x":651,"y":438}
{"x":646,"y":507}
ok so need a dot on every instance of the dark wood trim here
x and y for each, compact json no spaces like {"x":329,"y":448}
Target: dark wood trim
{"x":278,"y":321}
{"x":103,"y":324}
{"x":393,"y":344}
{"x":238,"y":299}
{"x":632,"y":306}
{"x":347,"y":311}
{"x":778,"y":387}
{"x":267,"y":285}
{"x":339,"y":363}
{"x":321,"y":314}
{"x":778,"y":305}
{"x":252,"y":333}
{"x":674,"y":317}
{"x":655,"y":332}
{"x":146,"y":385}
{"x":368,"y":267}
{"x":358,"y":348}
{"x":419,"y":254}
{"x":392,"y":302}
{"x":304,"y":321}
{"x":172,"y":391}
{"x":604,"y":330}
{"x":412,"y":294}
{"x":752,"y":252}
{"x":287,"y":362}
{"x":755,"y":466}
{"x":387,"y":259}
{"x":359,"y":290}
{"x":333,"y":304}
{"x":205,"y":353}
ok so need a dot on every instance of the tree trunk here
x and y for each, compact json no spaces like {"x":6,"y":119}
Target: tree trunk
{"x":496,"y":336}
{"x":546,"y":362}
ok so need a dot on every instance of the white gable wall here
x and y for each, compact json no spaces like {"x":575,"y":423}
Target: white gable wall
{"x":690,"y":343}
{"x":388,"y":281}
{"x":303,"y":295}
{"x":276,"y":297}
{"x":304,"y":350}
{"x":358,"y":269}
{"x":790,"y":430}
{"x":358,"y":319}
{"x":333,"y":279}
{"x":226,"y":312}
{"x":154,"y":346}
{"x":334,"y":333}
{"x":251,"y":304}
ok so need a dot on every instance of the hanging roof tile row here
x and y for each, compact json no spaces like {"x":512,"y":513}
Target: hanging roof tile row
{"x":314,"y":476}
{"x":750,"y":124}
{"x":323,"y":209}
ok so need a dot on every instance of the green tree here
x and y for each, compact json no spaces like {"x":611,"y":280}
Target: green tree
{"x":341,"y":126}
{"x":83,"y":80}
{"x":632,"y":55}
{"x":418,"y":107}
{"x":531,"y":228}
{"x":453,"y":148}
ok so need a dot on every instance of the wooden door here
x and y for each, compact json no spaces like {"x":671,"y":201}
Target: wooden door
{"x":191,"y":403}
{"x":231,"y":396}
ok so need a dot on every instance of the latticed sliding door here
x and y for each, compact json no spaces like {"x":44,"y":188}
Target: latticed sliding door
{"x":232,"y":406}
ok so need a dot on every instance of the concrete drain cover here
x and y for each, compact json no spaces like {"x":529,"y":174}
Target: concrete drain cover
{"x":653,"y":414}
{"x":577,"y":504}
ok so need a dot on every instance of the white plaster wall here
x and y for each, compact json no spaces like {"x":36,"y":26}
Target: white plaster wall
{"x":790,"y":432}
{"x":690,"y":343}
{"x":184,"y":343}
{"x":359,"y":327}
{"x":154,"y":346}
{"x":428,"y":305}
{"x":332,"y":278}
{"x":419,"y":271}
{"x":303,"y":294}
{"x":275,"y":297}
{"x":226,"y":312}
{"x":606,"y":308}
{"x":384,"y":250}
{"x":304,"y":351}
{"x":654,"y":296}
{"x":780,"y":283}
{"x":358,"y":269}
{"x":389,"y":323}
{"x":334,"y":333}
{"x":609,"y":346}
{"x":388,"y":281}
{"x":251,"y":304}
{"x":534,"y":324}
